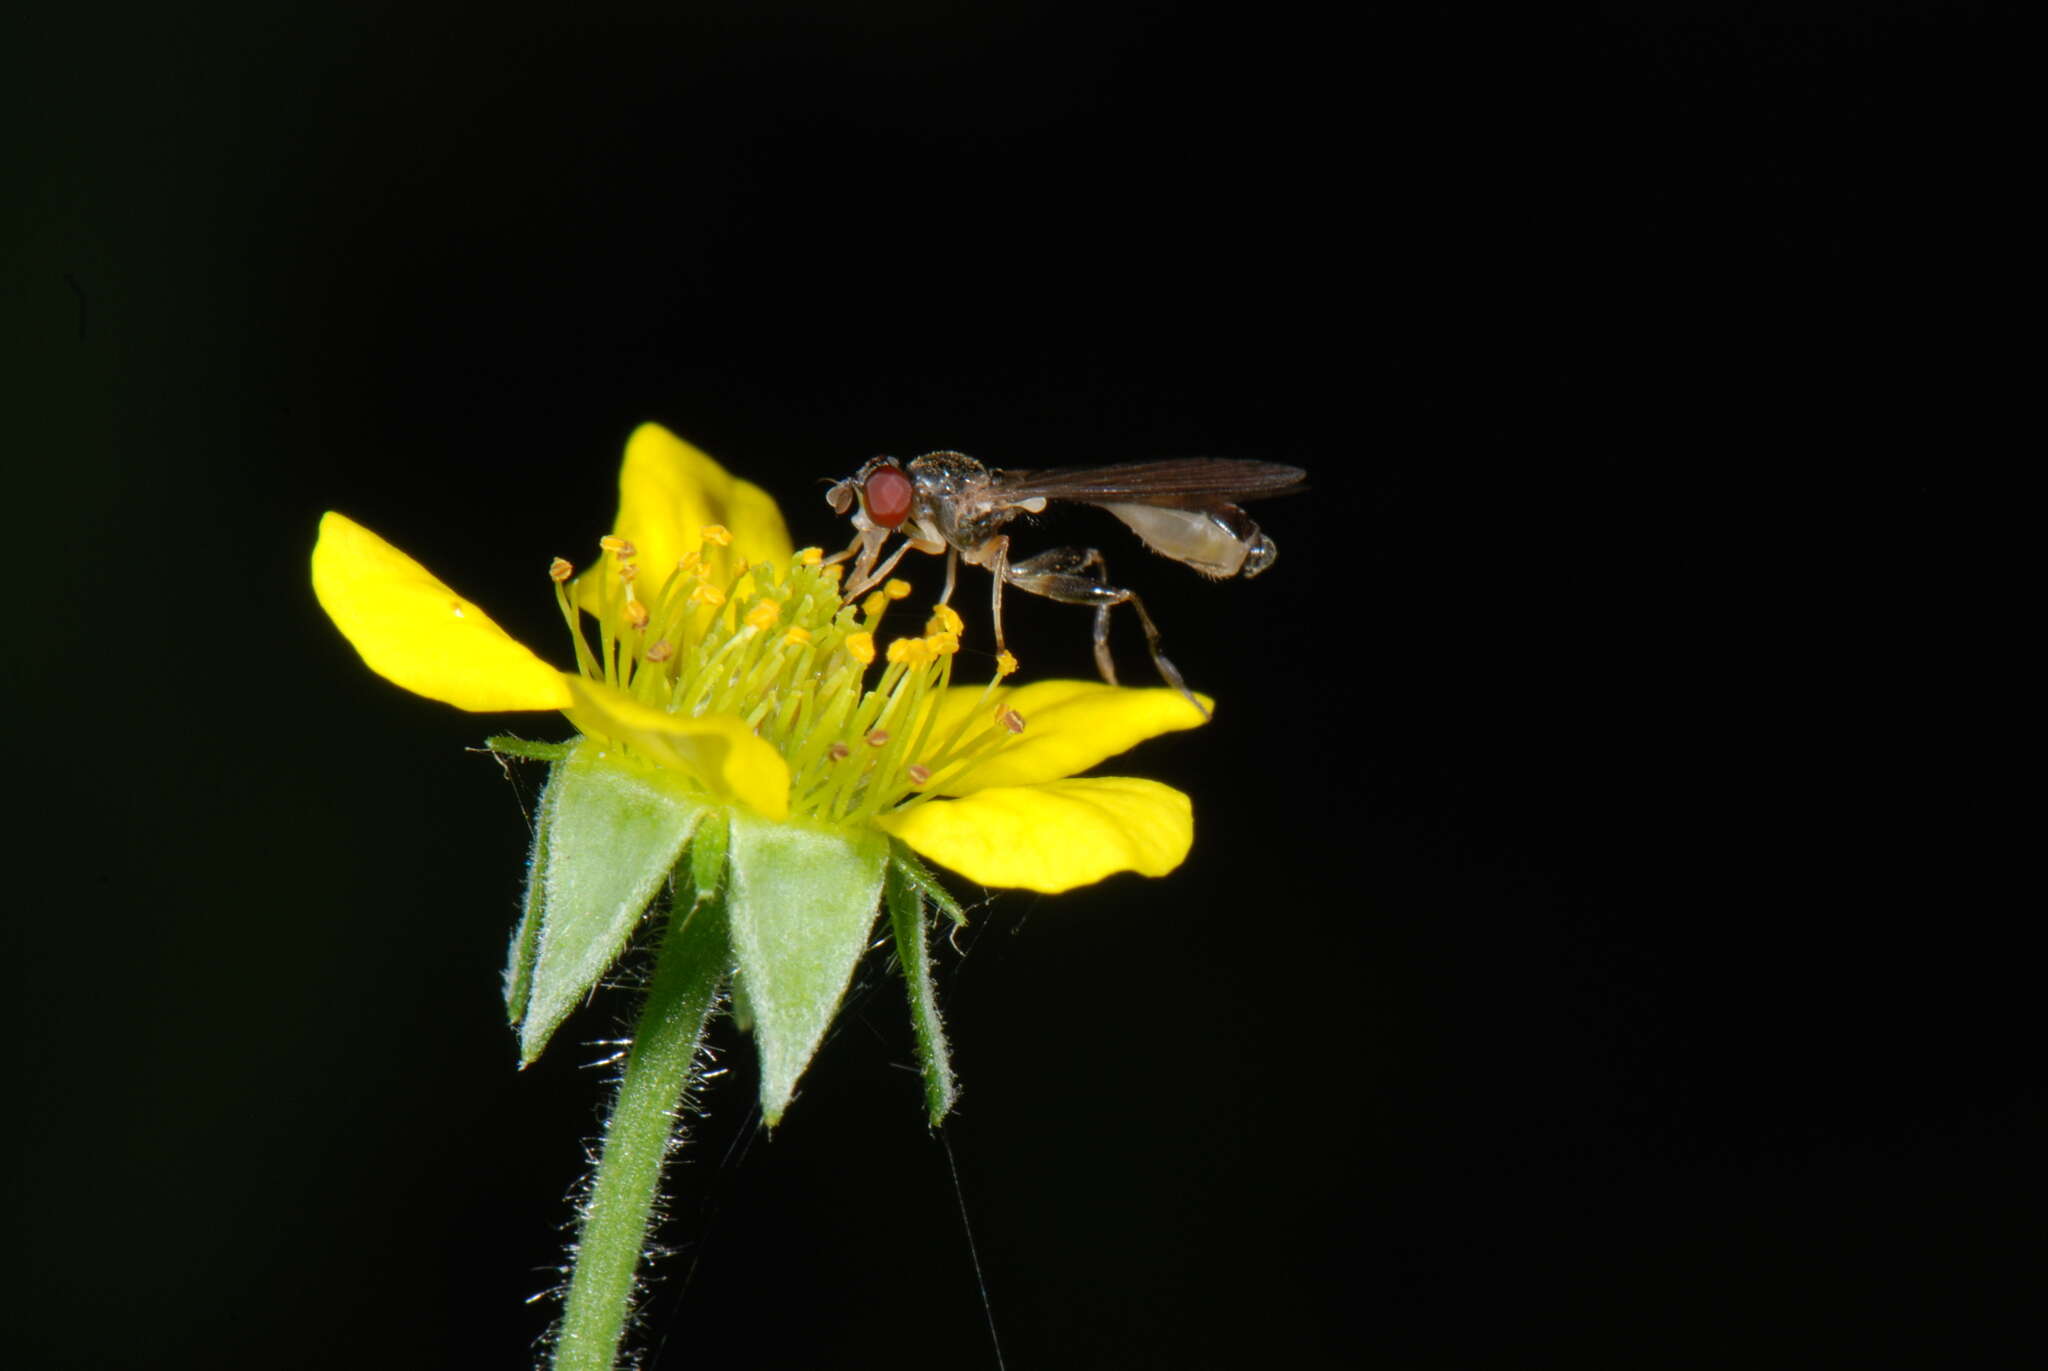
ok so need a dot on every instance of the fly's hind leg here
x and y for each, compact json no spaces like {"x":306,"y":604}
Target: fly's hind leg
{"x":1077,"y":576}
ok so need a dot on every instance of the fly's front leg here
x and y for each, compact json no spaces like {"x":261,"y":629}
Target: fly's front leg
{"x":1076,"y":576}
{"x":866,"y":573}
{"x":868,"y":541}
{"x":846,"y":554}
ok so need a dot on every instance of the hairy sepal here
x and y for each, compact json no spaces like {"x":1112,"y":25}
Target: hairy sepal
{"x":608,"y":835}
{"x":802,"y":902}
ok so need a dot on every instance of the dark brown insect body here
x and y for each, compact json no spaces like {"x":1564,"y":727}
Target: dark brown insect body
{"x":946,"y":502}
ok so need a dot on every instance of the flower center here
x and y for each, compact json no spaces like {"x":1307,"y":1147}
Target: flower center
{"x":772,"y":643}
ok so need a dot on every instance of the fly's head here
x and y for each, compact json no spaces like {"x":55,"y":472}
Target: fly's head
{"x":879,"y":495}
{"x":881,"y":500}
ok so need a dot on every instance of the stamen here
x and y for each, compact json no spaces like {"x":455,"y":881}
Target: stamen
{"x":912,"y":652}
{"x":793,"y":668}
{"x":1006,"y":665}
{"x":585,"y":662}
{"x":984,"y":740}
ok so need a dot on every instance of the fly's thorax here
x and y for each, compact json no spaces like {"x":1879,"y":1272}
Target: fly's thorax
{"x":955,"y":499}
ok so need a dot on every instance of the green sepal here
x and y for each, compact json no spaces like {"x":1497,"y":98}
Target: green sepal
{"x":707,"y":856}
{"x":906,"y":863}
{"x":802,"y":903}
{"x":505,"y":745}
{"x":526,"y":938}
{"x":610,"y":832}
{"x":906,"y":915}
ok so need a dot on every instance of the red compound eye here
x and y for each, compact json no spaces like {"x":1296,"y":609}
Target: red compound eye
{"x":887,"y":494}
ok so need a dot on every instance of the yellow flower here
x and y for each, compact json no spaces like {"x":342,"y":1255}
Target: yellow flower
{"x":733,"y":745}
{"x":726,"y":669}
{"x":736,"y":754}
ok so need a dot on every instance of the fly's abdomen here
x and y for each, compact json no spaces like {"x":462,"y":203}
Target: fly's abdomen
{"x":1216,"y":542}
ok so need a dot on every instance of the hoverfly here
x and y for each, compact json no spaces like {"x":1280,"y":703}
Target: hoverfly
{"x":947,"y":502}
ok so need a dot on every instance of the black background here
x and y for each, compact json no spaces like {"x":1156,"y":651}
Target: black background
{"x":1593,"y":945}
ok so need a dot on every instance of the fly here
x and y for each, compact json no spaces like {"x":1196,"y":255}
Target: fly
{"x":946,"y":502}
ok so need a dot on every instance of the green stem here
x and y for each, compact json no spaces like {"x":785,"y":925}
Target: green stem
{"x":694,"y":959}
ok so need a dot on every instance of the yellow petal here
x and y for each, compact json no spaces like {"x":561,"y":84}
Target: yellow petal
{"x":415,"y":632}
{"x":1069,"y":726}
{"x":719,"y":750}
{"x":668,"y":492}
{"x":1053,"y":837}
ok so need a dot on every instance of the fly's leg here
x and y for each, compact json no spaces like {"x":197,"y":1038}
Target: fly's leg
{"x":866,"y":573}
{"x":996,"y":557}
{"x":845,"y":553}
{"x":952,"y":571}
{"x":1077,"y":576}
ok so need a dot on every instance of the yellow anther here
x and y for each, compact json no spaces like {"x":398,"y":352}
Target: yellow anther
{"x":861,"y":647}
{"x":1010,"y":719}
{"x":878,"y":738}
{"x":636,"y":614}
{"x":718,"y":534}
{"x":1006,"y":665}
{"x":945,"y":619}
{"x":797,"y":636}
{"x":943,"y":644}
{"x":895,"y":589}
{"x":810,"y":556}
{"x":560,"y":570}
{"x":918,"y":773}
{"x":629,"y":572}
{"x":707,"y":595}
{"x":690,"y":561}
{"x":660,"y":652}
{"x":617,"y":546}
{"x":763,"y":615}
{"x":910,"y":652}
{"x":834,"y":572}
{"x":874,"y":605}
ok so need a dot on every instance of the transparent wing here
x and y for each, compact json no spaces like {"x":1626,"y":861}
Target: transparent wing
{"x":1184,"y":482}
